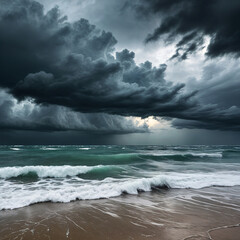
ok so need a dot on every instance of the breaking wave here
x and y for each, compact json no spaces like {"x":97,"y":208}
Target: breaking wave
{"x":183,"y":154}
{"x":40,"y":173}
{"x":69,"y":191}
{"x":49,"y":171}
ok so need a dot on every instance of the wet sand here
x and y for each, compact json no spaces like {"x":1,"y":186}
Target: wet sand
{"x":210,"y":213}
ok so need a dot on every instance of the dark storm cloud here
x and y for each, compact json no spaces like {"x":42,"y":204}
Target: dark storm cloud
{"x":210,"y":117}
{"x":27,"y":116}
{"x":70,"y":64}
{"x":69,"y":68}
{"x":191,"y":20}
{"x":108,"y":15}
{"x":219,"y":92}
{"x":219,"y":83}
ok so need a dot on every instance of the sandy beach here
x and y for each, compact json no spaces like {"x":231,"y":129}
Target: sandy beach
{"x":210,"y":213}
{"x":119,"y":120}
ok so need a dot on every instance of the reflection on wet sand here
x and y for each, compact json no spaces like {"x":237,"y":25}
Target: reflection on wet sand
{"x":210,"y":213}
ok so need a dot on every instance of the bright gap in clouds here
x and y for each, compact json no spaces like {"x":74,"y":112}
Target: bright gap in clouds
{"x":156,"y":52}
{"x":153,"y":123}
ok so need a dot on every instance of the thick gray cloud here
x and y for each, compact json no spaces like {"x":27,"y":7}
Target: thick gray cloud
{"x":218,"y":83}
{"x":69,"y":68}
{"x":28,"y":116}
{"x":210,"y":117}
{"x":218,"y":88}
{"x":70,"y":64}
{"x":110,"y":15}
{"x":191,"y":20}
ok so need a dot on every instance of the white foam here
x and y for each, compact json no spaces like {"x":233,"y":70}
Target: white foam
{"x":216,"y":154}
{"x":84,"y":148}
{"x":15,"y":195}
{"x":47,"y":171}
{"x":15,"y":149}
{"x":49,"y":148}
{"x":179,"y":153}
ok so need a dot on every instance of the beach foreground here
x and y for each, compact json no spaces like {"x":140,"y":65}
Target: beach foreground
{"x":209,"y":213}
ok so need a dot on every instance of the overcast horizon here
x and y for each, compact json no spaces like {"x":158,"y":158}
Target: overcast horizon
{"x":120,"y":72}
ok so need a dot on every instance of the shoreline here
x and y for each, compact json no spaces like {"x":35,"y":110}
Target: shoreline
{"x":154,"y":189}
{"x":210,"y":213}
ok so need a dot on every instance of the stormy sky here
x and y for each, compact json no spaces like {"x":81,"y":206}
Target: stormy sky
{"x":119,"y":72}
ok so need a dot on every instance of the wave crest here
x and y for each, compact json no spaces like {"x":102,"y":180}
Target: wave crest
{"x":183,"y":154}
{"x":48,"y":171}
{"x":66,"y":192}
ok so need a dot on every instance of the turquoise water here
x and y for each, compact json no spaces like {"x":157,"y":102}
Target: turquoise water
{"x":31,"y":174}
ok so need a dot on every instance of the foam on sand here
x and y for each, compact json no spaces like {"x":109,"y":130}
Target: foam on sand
{"x":18,"y":195}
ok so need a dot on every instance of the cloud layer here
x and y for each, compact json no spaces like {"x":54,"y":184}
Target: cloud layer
{"x":70,"y":64}
{"x":28,"y":116}
{"x":191,"y":21}
{"x":69,"y":70}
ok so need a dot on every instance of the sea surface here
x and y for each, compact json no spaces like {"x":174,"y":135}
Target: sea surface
{"x":33,"y":174}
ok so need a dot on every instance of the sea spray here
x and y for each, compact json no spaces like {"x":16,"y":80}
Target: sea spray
{"x":33,"y":174}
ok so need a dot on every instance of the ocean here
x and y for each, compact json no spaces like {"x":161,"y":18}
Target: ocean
{"x":34,"y":174}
